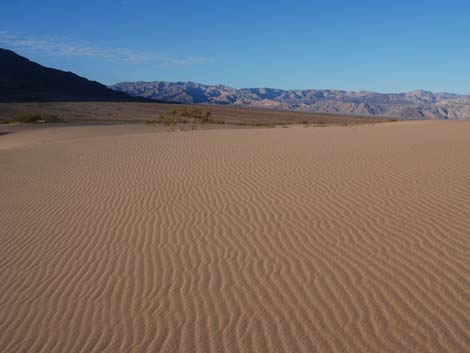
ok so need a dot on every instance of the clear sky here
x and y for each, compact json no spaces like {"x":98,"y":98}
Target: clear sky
{"x":385,"y":46}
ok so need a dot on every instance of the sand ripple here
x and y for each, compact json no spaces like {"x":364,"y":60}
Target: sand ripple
{"x":341,"y":239}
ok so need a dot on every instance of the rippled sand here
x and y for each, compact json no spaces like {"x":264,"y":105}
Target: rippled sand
{"x":337,"y":239}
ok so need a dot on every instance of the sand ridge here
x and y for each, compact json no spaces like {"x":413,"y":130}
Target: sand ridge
{"x":337,"y":239}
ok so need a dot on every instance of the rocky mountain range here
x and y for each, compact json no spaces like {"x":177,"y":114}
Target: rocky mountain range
{"x":418,"y":104}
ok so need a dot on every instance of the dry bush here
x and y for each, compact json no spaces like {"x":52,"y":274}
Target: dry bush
{"x":191,"y":115}
{"x":26,"y":118}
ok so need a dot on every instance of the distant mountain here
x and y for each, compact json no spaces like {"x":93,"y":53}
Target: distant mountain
{"x":22,"y":80}
{"x":416,"y":105}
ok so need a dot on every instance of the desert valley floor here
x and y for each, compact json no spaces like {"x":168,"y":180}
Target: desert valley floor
{"x":334,"y":239}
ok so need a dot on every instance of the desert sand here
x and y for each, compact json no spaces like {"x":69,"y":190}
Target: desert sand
{"x":335,"y":239}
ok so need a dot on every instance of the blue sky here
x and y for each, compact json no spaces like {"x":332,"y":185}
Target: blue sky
{"x":385,"y":46}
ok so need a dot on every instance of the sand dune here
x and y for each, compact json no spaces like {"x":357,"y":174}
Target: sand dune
{"x":337,"y":239}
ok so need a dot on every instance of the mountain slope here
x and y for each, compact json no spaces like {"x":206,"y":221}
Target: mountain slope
{"x":23,"y":80}
{"x":417,"y":104}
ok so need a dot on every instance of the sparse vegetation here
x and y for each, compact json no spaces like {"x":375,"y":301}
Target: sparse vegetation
{"x":321,"y":124}
{"x":28,"y":118}
{"x":186,"y":115}
{"x":230,"y":115}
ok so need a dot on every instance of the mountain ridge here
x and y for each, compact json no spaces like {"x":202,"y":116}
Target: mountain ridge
{"x":417,"y":104}
{"x":23,"y":80}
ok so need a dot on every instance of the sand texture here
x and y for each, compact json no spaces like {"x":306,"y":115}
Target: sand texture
{"x":337,"y":239}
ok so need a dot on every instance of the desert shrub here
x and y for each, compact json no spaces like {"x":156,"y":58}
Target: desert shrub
{"x":53,"y":119}
{"x":206,"y":117}
{"x":187,"y":115}
{"x":190,"y":115}
{"x":26,"y":118}
{"x":169,"y":120}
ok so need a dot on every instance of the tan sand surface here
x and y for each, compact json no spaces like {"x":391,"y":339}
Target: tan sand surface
{"x":335,"y":239}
